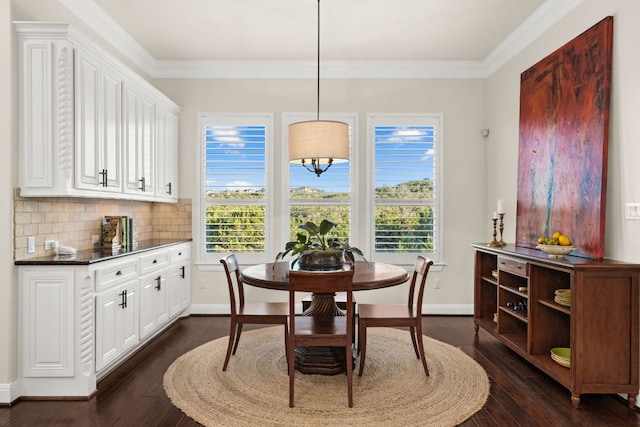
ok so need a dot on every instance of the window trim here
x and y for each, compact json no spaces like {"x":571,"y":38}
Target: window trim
{"x":212,"y":258}
{"x":408,"y":258}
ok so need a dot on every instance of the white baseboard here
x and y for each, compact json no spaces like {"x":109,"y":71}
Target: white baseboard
{"x":9,"y":393}
{"x":448,"y":309}
{"x":210,"y":309}
{"x":434,"y":309}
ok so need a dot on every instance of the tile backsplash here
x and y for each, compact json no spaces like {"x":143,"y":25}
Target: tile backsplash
{"x":73,"y":221}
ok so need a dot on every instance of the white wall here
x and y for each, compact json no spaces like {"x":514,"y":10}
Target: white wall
{"x":8,"y":289}
{"x":622,"y":237}
{"x":461,"y":101}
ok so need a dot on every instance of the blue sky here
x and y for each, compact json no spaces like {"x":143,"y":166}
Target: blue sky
{"x":236,"y":155}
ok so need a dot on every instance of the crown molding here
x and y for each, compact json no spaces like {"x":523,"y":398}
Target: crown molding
{"x":329,"y":69}
{"x":548,"y":14}
{"x":96,"y":18}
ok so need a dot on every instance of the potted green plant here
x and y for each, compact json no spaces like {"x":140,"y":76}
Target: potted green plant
{"x":314,"y":249}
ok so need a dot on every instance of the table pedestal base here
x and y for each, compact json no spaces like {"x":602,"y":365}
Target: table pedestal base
{"x":321,"y":360}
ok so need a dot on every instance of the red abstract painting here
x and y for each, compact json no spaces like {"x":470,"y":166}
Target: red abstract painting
{"x":564,"y":129}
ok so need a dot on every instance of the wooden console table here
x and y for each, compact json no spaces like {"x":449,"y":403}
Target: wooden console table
{"x":600,"y":326}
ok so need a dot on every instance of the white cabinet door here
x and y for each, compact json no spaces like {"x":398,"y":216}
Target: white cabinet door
{"x":167,"y":154}
{"x":108,"y":326}
{"x":117,"y":318}
{"x":111,"y":135}
{"x":154,"y":305}
{"x":139,"y":141}
{"x":131,"y":319}
{"x":147,"y":148}
{"x":47,"y":327}
{"x":179,"y":279}
{"x":87,"y":89}
{"x":98,"y":125}
{"x":131,"y":125}
{"x":179,"y":288}
{"x":174,"y":290}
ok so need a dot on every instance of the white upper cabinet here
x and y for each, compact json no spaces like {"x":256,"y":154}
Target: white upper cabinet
{"x":166,"y":153}
{"x":98,"y":113}
{"x":139,"y":142}
{"x":89,"y":126}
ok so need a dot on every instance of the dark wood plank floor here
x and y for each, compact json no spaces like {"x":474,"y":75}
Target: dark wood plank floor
{"x":133,"y":395}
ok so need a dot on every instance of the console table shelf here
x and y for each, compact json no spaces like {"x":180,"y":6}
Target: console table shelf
{"x":600,"y":326}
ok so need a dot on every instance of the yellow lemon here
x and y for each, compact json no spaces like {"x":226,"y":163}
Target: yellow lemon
{"x":564,"y":240}
{"x":542,"y":240}
{"x":557,"y":235}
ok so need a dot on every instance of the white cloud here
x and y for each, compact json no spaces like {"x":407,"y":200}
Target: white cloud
{"x":239,"y":185}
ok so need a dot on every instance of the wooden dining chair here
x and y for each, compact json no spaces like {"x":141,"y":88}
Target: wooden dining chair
{"x":321,"y":331}
{"x":397,"y":315}
{"x":263,"y":313}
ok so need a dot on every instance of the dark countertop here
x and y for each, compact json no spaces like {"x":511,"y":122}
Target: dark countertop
{"x":91,"y":256}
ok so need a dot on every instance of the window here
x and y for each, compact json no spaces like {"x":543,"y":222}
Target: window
{"x":392,"y":212}
{"x":329,"y":196}
{"x":406,"y":186}
{"x":236,"y":185}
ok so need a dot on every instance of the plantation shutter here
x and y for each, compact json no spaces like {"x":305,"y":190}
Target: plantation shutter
{"x":406,"y":190}
{"x":235,"y":184}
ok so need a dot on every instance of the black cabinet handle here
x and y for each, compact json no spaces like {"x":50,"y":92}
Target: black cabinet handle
{"x":123,"y":299}
{"x":104,"y":181}
{"x":142,"y":184}
{"x":169,"y":188}
{"x":119,"y":273}
{"x":155,"y":261}
{"x":158,"y":281}
{"x":182,"y":272}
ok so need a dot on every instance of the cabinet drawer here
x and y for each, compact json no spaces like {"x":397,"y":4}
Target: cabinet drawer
{"x":180,"y":254}
{"x":108,"y":277}
{"x":513,"y":265}
{"x":153,"y":261}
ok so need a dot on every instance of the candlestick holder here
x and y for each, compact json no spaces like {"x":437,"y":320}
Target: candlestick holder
{"x":501,"y":242}
{"x":494,"y":243}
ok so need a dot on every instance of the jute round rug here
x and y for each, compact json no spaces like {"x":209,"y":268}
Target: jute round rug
{"x":393,"y":390}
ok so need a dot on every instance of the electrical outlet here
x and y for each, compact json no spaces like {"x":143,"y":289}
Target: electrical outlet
{"x":95,"y":239}
{"x":436,"y":283}
{"x":31,"y":244}
{"x":48,"y":245}
{"x":632,"y":211}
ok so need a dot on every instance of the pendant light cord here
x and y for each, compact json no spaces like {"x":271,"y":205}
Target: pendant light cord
{"x":318,"y":82}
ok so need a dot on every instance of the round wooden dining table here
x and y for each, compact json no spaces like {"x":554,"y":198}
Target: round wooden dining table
{"x":366,"y":276}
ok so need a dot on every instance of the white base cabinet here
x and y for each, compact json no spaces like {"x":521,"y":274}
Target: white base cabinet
{"x":77,"y":322}
{"x":179,"y":280}
{"x":118,"y":320}
{"x":154,"y":309}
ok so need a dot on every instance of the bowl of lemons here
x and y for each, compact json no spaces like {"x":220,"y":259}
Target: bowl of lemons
{"x":556,"y":246}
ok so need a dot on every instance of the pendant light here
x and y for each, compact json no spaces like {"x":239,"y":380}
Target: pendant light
{"x":318,"y":143}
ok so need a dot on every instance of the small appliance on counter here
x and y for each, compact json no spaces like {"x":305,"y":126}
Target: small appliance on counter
{"x":66,"y":251}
